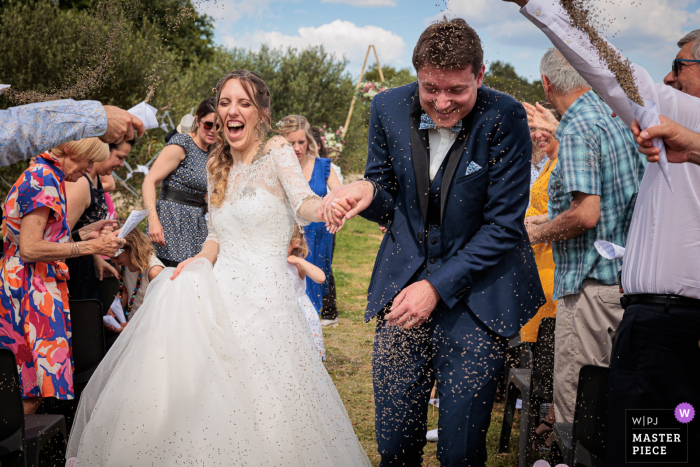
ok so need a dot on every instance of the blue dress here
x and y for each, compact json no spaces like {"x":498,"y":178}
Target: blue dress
{"x":184,"y":227}
{"x":318,"y":239}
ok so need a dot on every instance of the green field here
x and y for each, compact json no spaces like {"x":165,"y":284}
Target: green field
{"x":349,"y":346}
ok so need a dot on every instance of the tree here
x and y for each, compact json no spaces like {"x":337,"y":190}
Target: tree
{"x":502,"y":77}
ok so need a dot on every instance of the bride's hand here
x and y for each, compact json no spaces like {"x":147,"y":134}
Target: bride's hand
{"x":338,"y":212}
{"x":181,"y":266}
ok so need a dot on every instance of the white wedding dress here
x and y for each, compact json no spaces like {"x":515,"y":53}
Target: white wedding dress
{"x":219,"y":367}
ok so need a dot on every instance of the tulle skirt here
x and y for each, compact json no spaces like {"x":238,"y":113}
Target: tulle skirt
{"x":204,"y":375}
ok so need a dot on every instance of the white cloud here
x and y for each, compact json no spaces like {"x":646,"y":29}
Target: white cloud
{"x":364,"y":3}
{"x":343,"y":38}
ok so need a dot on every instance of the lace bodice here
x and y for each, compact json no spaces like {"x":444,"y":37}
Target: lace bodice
{"x":261,"y":202}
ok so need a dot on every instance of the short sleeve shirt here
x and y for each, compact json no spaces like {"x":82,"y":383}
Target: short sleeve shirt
{"x":597,"y":156}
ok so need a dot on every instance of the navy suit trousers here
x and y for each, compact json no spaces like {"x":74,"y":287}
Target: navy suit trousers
{"x":465,"y":357}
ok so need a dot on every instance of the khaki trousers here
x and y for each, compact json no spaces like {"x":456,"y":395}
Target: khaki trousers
{"x":587,"y":324}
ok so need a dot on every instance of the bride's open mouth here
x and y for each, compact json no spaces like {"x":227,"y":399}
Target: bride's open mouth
{"x":235,"y":129}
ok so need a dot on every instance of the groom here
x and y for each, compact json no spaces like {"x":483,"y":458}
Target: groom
{"x":448,"y":174}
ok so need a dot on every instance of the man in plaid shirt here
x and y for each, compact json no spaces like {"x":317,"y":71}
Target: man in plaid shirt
{"x":592,"y":192}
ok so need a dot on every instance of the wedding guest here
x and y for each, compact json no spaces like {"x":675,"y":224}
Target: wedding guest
{"x":329,"y":312}
{"x":537,"y":212}
{"x":299,"y":269}
{"x":592,"y":191}
{"x":176,"y":223}
{"x":86,"y":203}
{"x":654,"y":365}
{"x":138,"y":267}
{"x":318,"y":173}
{"x":28,"y":130}
{"x":34,"y":315}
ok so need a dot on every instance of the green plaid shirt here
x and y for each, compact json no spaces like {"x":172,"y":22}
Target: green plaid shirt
{"x":597,"y":156}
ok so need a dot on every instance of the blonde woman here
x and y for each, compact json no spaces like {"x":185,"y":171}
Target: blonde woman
{"x":321,"y":177}
{"x":218,"y":366}
{"x":34,"y":315}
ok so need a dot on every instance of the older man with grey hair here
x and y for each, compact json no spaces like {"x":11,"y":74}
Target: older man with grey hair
{"x":592,"y":192}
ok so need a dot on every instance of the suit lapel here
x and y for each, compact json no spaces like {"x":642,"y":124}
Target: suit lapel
{"x":419,"y":156}
{"x":453,"y":159}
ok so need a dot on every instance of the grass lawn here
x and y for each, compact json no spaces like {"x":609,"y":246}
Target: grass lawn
{"x":349,"y":346}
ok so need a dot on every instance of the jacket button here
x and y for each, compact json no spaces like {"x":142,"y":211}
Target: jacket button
{"x":432,"y":260}
{"x":433,"y":241}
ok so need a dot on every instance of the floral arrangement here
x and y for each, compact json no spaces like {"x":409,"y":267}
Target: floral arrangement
{"x":333,"y":141}
{"x":369,"y":89}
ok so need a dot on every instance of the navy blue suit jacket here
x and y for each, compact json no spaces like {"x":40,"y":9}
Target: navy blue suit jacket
{"x":486,"y":263}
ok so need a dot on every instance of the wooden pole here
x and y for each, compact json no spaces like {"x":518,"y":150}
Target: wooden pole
{"x":379,"y":67}
{"x":354,"y":95}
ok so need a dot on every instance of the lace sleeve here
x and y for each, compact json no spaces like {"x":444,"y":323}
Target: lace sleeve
{"x":290,"y":175}
{"x":210,"y":225}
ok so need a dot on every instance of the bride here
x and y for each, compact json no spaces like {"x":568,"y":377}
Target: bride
{"x":219,"y":367}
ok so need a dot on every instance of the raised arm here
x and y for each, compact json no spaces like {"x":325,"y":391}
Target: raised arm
{"x":29,"y":130}
{"x":553,"y":20}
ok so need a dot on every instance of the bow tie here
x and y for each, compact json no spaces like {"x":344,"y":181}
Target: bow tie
{"x":426,"y":123}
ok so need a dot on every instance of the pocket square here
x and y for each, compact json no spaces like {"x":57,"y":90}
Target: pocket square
{"x":472,"y":168}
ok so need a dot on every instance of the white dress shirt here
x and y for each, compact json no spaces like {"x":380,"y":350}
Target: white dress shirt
{"x":663,"y":246}
{"x":441,"y":140}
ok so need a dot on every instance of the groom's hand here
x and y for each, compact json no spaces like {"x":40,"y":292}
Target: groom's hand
{"x":412,"y":307}
{"x":346,"y":201}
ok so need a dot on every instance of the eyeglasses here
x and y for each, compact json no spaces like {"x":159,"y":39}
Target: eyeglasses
{"x":209,"y":125}
{"x":677,"y":65}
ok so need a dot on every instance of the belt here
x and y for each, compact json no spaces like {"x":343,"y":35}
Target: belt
{"x":178,"y":196}
{"x":659,"y":299}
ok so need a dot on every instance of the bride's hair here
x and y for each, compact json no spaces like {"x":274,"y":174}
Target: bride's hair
{"x":221,"y":160}
{"x":292,"y":123}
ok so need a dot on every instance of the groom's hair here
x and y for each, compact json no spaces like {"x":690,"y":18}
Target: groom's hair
{"x":449,"y":44}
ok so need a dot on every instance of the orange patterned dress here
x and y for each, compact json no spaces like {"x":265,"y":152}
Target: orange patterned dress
{"x":543,"y":255}
{"x":34,"y":315}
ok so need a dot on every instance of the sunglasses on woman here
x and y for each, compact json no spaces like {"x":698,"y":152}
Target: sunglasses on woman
{"x":209,"y":125}
{"x":678,"y":64}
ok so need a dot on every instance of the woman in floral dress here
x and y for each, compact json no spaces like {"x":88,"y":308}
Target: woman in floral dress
{"x":34,"y":314}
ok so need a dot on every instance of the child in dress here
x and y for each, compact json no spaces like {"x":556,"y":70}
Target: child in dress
{"x":298,"y":269}
{"x":139,"y":266}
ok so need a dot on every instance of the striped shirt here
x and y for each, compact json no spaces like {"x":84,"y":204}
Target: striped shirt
{"x":597,"y":156}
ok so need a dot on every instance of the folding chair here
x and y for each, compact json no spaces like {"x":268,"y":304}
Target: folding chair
{"x":22,"y":436}
{"x":88,"y":339}
{"x":534,"y":386}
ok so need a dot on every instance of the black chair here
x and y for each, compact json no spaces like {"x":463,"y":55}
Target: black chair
{"x":88,"y":339}
{"x":22,"y":436}
{"x":583,"y":443}
{"x":534,"y":386}
{"x":107,"y":290}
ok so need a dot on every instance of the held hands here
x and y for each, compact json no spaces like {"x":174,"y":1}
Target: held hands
{"x":413,"y":306}
{"x":682,"y":144}
{"x":120,"y":125}
{"x":345,"y":202}
{"x":540,"y":118}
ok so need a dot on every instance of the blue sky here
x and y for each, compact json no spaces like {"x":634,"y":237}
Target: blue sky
{"x":646,"y":31}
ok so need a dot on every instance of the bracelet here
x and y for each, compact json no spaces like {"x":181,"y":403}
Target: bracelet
{"x":75,"y":235}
